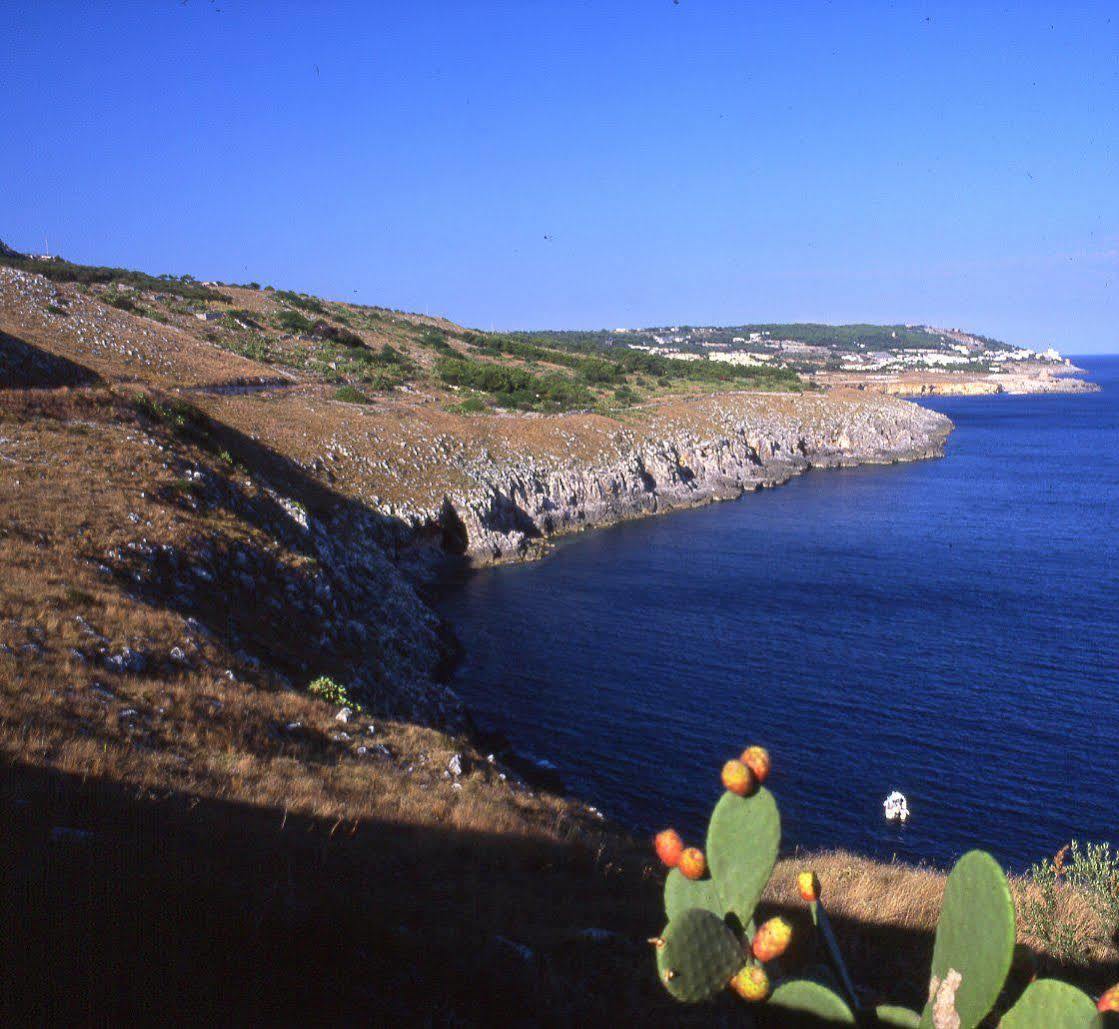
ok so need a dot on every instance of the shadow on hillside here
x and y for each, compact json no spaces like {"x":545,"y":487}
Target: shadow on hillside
{"x":306,"y":620}
{"x":120,"y":906}
{"x":24,"y":366}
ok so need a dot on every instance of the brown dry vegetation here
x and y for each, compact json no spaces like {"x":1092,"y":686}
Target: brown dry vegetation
{"x":199,"y":834}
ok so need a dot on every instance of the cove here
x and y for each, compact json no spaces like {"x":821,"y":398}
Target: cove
{"x":947,"y":628}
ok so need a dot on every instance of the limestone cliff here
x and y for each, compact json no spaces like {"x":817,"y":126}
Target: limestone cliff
{"x":743,"y":444}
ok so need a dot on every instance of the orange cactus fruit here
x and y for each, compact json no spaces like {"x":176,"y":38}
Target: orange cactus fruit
{"x":808,"y":885}
{"x":757,"y":760}
{"x":751,"y":983}
{"x":669,"y":847}
{"x":692,"y":863}
{"x":1109,"y":1001}
{"x":738,"y":778}
{"x":772,"y":939}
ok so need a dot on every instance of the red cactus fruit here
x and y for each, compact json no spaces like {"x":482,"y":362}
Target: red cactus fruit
{"x":772,"y":939}
{"x":808,"y":885}
{"x":1109,"y":1001}
{"x":692,"y":863}
{"x":739,"y":779}
{"x":751,"y":983}
{"x":757,"y":760}
{"x":669,"y":847}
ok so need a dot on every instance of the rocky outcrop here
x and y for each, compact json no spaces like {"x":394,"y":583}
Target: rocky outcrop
{"x":517,"y":504}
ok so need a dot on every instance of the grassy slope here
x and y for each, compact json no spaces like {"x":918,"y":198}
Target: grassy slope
{"x":234,"y":862}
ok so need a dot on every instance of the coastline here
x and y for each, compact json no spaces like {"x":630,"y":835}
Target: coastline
{"x":739,"y":444}
{"x":1030,"y":379}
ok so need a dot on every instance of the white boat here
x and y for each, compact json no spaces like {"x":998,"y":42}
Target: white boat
{"x":896,"y":808}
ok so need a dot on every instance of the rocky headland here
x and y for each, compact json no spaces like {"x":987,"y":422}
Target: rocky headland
{"x":716,"y":448}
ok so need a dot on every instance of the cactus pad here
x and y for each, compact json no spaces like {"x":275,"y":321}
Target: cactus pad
{"x":901,"y":1018}
{"x":1052,"y":1004}
{"x":682,"y":893}
{"x":742,"y":842}
{"x":803,"y":1002}
{"x":974,"y":942}
{"x":699,"y":955}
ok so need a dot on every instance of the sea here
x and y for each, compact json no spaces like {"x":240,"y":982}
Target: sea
{"x":947,"y":628}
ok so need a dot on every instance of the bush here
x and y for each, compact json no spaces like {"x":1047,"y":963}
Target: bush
{"x":65,"y":271}
{"x":437,"y":341}
{"x":119,"y":300}
{"x":298,"y":300}
{"x":471,"y":405}
{"x":324,"y":330}
{"x":515,"y":387}
{"x":325,"y":688}
{"x":293,"y":321}
{"x":1089,"y":874}
{"x":350,"y":395}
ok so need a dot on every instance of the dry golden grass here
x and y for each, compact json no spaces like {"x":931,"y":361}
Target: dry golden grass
{"x":187,"y":764}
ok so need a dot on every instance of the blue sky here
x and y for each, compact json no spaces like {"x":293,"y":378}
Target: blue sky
{"x":586,"y":164}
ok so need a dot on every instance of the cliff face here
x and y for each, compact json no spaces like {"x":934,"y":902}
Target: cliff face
{"x":750,"y":445}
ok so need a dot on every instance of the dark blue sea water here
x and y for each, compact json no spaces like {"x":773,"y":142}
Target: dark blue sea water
{"x":948,"y":628}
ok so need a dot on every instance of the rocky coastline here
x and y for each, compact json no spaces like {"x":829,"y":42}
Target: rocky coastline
{"x":518,"y":506}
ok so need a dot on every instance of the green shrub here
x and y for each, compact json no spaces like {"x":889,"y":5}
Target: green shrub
{"x":325,"y":688}
{"x":293,"y":321}
{"x":515,"y":387}
{"x":119,"y":300}
{"x":324,"y":330}
{"x":84,"y":274}
{"x":350,"y":395}
{"x":436,"y":339}
{"x":471,"y":405}
{"x":1091,"y":871}
{"x":299,"y":300}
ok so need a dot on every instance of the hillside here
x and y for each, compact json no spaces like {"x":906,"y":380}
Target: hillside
{"x":234,"y":777}
{"x":904,"y":360}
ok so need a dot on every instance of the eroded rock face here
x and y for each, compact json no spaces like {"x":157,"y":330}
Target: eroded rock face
{"x":518,"y":504}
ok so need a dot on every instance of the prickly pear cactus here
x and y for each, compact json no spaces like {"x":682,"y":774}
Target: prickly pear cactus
{"x":697,"y":955}
{"x":742,"y":841}
{"x":898,"y":1018}
{"x":803,"y":1002}
{"x":974,"y":944}
{"x":1052,"y":1004}
{"x":681,"y":894}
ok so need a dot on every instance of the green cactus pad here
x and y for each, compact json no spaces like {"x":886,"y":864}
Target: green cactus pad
{"x":1052,"y":1004}
{"x":803,"y":1002}
{"x":742,"y":842}
{"x":974,"y":940}
{"x":699,"y":956}
{"x":682,"y":893}
{"x":902,"y":1018}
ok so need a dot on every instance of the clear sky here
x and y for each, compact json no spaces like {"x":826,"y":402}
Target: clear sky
{"x":585,"y":164}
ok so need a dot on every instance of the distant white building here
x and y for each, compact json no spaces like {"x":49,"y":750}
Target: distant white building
{"x":740,"y":357}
